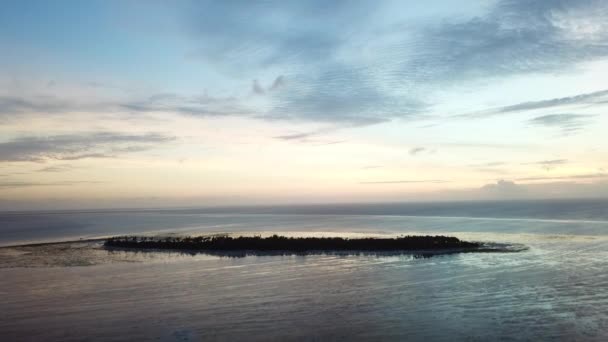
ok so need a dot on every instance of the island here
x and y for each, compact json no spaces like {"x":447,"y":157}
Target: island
{"x":276,"y":243}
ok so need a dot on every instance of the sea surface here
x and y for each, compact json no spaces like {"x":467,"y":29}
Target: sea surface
{"x":554,"y":289}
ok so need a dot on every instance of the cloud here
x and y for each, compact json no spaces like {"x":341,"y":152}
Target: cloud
{"x":344,"y":94}
{"x":567,"y":123}
{"x":416,"y":150}
{"x":256,"y":88}
{"x":306,"y":39}
{"x":296,"y":136}
{"x":278,"y":83}
{"x":85,"y":156}
{"x":503,"y":188}
{"x":246,"y":35}
{"x":488,"y":164}
{"x":513,"y":37}
{"x":305,"y":136}
{"x":433,"y":181}
{"x":593,"y":98}
{"x":72,"y":147}
{"x":197,"y":105}
{"x":570,"y":177}
{"x":492,"y":170}
{"x":490,"y":167}
{"x":325,"y":143}
{"x":19,"y":184}
{"x":56,"y":168}
{"x":201,"y":106}
{"x":487,"y":145}
{"x":548,"y":164}
{"x":34,"y":104}
{"x":587,"y":98}
{"x":345,"y":66}
{"x":506,"y":189}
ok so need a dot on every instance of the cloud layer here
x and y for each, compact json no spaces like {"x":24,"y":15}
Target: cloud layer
{"x":81,"y":146}
{"x":337,"y":62}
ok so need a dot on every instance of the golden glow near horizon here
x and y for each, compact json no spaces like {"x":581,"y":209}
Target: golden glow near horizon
{"x":360,"y":120}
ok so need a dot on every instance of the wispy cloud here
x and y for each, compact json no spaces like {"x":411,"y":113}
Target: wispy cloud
{"x":567,"y":123}
{"x":593,"y":98}
{"x":306,"y":136}
{"x":483,"y":145}
{"x":588,"y":98}
{"x":490,"y":167}
{"x":416,"y":150}
{"x":72,"y":147}
{"x":22,"y":184}
{"x":492,"y":170}
{"x":56,"y":168}
{"x":569,"y":177}
{"x":297,"y":136}
{"x":434,"y":181}
{"x":488,"y":164}
{"x":84,"y":156}
{"x":548,"y":164}
{"x":34,"y":104}
{"x":325,"y":143}
{"x":201,"y":106}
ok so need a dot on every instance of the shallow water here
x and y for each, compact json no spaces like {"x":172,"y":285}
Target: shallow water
{"x":557,"y":289}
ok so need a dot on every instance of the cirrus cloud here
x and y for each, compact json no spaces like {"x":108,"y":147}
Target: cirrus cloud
{"x":77,"y":146}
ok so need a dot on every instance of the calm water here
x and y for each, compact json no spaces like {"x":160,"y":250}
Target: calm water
{"x":557,"y":289}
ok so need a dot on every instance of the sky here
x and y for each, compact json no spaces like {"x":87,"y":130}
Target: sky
{"x":113,"y":104}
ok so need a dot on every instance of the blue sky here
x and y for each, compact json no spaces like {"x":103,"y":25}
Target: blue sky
{"x":114,"y":103}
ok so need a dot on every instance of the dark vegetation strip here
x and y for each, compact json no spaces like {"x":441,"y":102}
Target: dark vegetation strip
{"x":296,"y":244}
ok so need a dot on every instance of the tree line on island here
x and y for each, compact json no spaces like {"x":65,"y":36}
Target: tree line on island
{"x":295,"y":244}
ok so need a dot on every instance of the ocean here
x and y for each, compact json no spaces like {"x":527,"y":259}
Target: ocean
{"x":554,"y":289}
